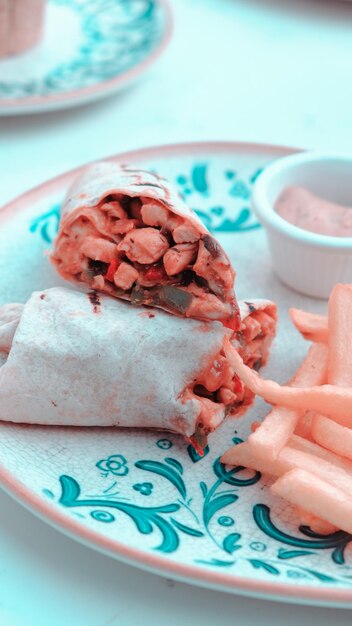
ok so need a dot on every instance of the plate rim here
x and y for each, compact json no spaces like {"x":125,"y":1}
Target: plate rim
{"x":84,"y":95}
{"x":158,"y":564}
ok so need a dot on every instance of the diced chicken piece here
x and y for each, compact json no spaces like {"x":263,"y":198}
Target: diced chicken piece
{"x":144,"y":245}
{"x":217,"y":375}
{"x":265,"y":321}
{"x":185,"y":233}
{"x":226,"y":396}
{"x":154,"y":214}
{"x":202,"y":266}
{"x":250,"y":328}
{"x":125,"y":276}
{"x":210,"y":308}
{"x":123,"y":226}
{"x":68,"y":250}
{"x":114,"y":209}
{"x":252,"y":351}
{"x":98,"y":282}
{"x":212,"y":265}
{"x":179,"y":258}
{"x":99,"y":249}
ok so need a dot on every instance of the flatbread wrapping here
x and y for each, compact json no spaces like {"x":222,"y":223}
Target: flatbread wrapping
{"x":127,"y":232}
{"x":85,"y":359}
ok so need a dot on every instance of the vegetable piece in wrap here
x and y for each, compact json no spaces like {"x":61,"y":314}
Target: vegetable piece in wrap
{"x":85,"y":359}
{"x":127,"y":232}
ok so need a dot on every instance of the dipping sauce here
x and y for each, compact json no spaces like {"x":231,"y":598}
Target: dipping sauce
{"x":302,"y":208}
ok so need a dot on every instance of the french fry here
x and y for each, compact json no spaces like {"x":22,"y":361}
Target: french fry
{"x":313,"y":370}
{"x":315,"y":523}
{"x":332,"y":436}
{"x":339,"y":438}
{"x":330,"y":400}
{"x":299,"y":443}
{"x":274,"y":432}
{"x":331,"y":473}
{"x":241,"y":454}
{"x":344,"y":420}
{"x":316,"y":496}
{"x":304,"y":425}
{"x":340,"y":336}
{"x":312,"y":326}
{"x":276,"y":429}
{"x":336,"y":473}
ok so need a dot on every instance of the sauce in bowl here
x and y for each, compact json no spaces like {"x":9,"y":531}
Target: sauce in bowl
{"x":302,"y":208}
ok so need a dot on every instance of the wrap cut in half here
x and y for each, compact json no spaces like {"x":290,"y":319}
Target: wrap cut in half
{"x":85,"y":359}
{"x":127,"y":232}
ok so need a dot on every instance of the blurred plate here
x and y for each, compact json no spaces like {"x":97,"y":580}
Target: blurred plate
{"x":90,"y":49}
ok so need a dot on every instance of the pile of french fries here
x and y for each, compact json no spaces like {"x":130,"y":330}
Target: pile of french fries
{"x":306,"y":439}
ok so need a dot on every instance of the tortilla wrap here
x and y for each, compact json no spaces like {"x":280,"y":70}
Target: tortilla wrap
{"x":85,"y":359}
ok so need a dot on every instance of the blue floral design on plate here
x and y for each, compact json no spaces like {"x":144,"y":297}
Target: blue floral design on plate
{"x":226,"y":520}
{"x":146,"y":519}
{"x":115,"y":464}
{"x":47,"y":224}
{"x":181,"y":517}
{"x":103,"y":516}
{"x":145,"y":489}
{"x":164,"y":444}
{"x":197,"y":184}
{"x":169,"y":518}
{"x":258,"y":546}
{"x":338,"y":540}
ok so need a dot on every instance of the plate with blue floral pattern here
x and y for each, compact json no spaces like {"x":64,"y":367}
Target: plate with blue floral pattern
{"x":90,"y":49}
{"x":145,"y":497}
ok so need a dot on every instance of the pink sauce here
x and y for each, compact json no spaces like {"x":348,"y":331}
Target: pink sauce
{"x":302,"y":208}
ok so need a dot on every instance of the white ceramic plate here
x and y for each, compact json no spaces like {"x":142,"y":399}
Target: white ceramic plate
{"x":144,"y":497}
{"x":90,"y":49}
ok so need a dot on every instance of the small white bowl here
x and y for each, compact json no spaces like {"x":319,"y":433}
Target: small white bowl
{"x":308,"y":262}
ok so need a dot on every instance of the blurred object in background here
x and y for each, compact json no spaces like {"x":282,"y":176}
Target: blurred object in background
{"x":21,"y":25}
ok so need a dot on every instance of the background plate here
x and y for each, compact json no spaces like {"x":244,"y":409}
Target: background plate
{"x":144,"y":497}
{"x":90,"y":49}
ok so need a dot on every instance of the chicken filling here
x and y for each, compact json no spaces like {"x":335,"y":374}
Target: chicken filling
{"x":138,"y":249}
{"x":218,"y":388}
